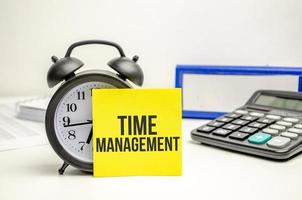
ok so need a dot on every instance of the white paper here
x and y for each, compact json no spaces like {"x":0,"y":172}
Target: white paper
{"x":224,"y":93}
{"x":16,"y":133}
{"x":35,"y":103}
{"x":33,"y":109}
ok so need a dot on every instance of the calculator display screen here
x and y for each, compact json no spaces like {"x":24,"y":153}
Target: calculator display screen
{"x":279,"y":102}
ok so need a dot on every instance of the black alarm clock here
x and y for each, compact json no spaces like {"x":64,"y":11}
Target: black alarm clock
{"x":68,"y":118}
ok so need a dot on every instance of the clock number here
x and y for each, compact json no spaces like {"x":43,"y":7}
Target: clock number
{"x":71,"y":135}
{"x":66,"y":121}
{"x":83,"y":144}
{"x":81,"y":95}
{"x":71,"y":107}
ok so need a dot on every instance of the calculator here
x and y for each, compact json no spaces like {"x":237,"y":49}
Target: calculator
{"x":268,"y":125}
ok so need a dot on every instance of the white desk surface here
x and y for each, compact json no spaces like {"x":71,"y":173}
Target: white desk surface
{"x":208,"y":173}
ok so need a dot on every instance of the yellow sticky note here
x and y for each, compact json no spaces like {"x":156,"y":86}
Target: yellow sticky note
{"x":137,"y":132}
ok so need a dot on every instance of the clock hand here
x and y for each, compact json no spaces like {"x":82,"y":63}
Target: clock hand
{"x":89,"y":137}
{"x":79,"y":124}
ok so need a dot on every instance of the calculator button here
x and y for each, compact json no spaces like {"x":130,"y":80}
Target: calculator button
{"x":277,"y":127}
{"x":233,"y":115}
{"x":274,"y":117}
{"x":248,"y":130}
{"x":205,"y":129}
{"x":290,"y":135}
{"x":231,"y":127}
{"x":238,"y":135}
{"x":278,"y":142}
{"x":221,"y":132}
{"x":224,"y":119}
{"x":287,"y":124}
{"x":257,"y":125}
{"x":298,"y":126}
{"x":271,"y":131}
{"x":240,"y":122}
{"x":259,"y":138}
{"x":295,"y":130}
{"x":256,"y":114}
{"x":249,"y":118}
{"x":289,"y":119}
{"x":215,"y":124}
{"x":266,"y":121}
{"x":242,"y":112}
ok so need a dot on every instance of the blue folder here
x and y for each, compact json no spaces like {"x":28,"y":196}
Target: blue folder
{"x":181,"y":70}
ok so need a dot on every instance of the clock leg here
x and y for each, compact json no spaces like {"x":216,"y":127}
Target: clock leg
{"x":62,"y":169}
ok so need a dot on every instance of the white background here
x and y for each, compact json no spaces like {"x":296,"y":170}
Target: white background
{"x":162,"y":32}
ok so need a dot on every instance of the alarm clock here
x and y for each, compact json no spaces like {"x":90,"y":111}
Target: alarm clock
{"x":68,"y":118}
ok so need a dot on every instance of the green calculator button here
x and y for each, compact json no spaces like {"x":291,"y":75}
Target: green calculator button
{"x":259,"y":138}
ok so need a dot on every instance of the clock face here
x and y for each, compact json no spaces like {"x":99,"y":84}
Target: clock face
{"x":73,"y":120}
